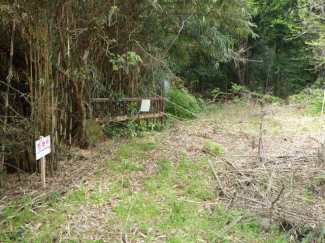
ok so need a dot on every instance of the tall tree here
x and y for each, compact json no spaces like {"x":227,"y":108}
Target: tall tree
{"x":312,"y":13}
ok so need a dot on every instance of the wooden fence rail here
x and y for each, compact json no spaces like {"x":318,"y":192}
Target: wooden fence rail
{"x":106,"y":110}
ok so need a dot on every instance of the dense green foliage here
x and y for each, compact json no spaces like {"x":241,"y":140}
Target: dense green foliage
{"x":181,"y":103}
{"x":312,"y":18}
{"x":275,"y":59}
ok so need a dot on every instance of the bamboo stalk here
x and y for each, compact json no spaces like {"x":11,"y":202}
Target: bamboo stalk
{"x":7,"y":98}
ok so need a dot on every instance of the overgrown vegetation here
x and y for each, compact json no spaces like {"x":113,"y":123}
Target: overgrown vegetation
{"x":58,"y":55}
{"x":182,"y":104}
{"x":133,"y":128}
{"x":244,"y":92}
{"x":312,"y":98}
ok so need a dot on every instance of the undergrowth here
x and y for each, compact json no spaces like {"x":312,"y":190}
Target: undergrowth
{"x":188,"y":103}
{"x":312,"y":98}
{"x":244,"y":91}
{"x":133,"y":128}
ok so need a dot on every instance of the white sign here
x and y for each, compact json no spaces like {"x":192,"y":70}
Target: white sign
{"x":43,"y":147}
{"x":145,"y":106}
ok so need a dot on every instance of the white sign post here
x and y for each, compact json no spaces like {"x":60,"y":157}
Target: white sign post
{"x":145,"y":106}
{"x":42,"y":148}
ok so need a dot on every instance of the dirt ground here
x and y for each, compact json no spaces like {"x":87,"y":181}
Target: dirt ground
{"x":271,"y":163}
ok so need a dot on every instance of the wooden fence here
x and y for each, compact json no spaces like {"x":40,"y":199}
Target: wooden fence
{"x":106,"y":110}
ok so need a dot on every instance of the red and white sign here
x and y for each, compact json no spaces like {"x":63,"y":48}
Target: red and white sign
{"x":43,"y":147}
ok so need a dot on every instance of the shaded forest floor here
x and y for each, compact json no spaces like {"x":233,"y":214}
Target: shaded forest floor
{"x":174,"y":186}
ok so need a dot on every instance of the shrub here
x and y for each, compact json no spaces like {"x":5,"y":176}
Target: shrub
{"x":182,"y":99}
{"x":312,"y":98}
{"x":240,"y":89}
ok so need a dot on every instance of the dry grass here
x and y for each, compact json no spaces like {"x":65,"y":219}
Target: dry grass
{"x":285,"y":183}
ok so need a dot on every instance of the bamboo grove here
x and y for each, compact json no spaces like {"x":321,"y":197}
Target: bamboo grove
{"x":57,"y":55}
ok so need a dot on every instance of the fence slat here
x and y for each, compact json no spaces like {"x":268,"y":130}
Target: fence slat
{"x":99,"y":100}
{"x":107,"y":110}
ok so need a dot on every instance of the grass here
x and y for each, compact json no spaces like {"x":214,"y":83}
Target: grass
{"x":171,"y":207}
{"x":17,"y":227}
{"x":172,"y":203}
{"x":215,"y":149}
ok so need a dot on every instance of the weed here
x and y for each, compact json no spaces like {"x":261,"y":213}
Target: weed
{"x":94,"y":132}
{"x":215,"y":149}
{"x":102,"y":150}
{"x":147,"y":146}
{"x":320,"y":180}
{"x":126,"y":183}
{"x":97,"y":196}
{"x":133,"y":128}
{"x":164,"y":167}
{"x":182,"y":166}
{"x":276,"y":132}
{"x":143,"y":127}
{"x":76,"y":197}
{"x":135,"y":149}
{"x":55,"y":197}
{"x":200,"y":191}
{"x":130,"y":167}
{"x":177,"y":215}
{"x":97,"y":172}
{"x":310,"y":195}
{"x":215,"y":128}
{"x":113,"y":131}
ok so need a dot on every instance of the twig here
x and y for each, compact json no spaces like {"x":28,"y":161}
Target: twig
{"x":217,"y":177}
{"x":278,"y":197}
{"x":127,"y":219}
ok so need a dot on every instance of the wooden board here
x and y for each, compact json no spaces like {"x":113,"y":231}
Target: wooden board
{"x":99,"y":100}
{"x":124,"y":118}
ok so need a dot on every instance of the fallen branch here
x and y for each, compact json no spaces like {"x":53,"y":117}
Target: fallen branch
{"x":217,"y":178}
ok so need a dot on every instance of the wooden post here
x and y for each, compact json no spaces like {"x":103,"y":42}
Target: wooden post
{"x":43,"y":164}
